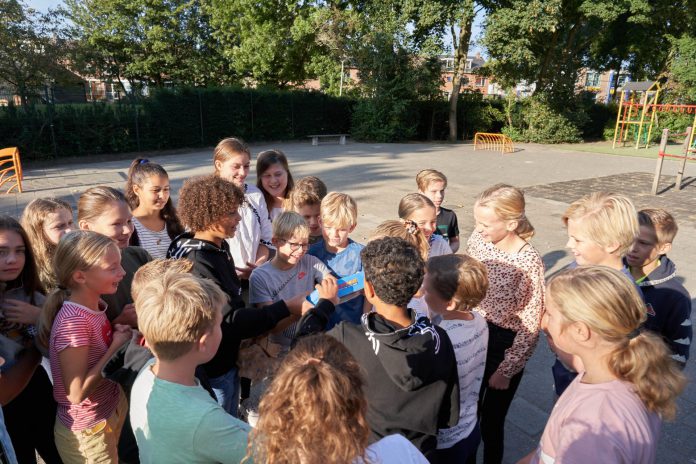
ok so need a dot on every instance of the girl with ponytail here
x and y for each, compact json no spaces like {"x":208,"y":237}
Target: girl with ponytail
{"x":80,"y":341}
{"x":612,"y":411}
{"x":420,"y":210}
{"x":512,"y":307}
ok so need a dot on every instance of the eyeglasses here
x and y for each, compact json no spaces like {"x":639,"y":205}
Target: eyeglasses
{"x":296,"y":246}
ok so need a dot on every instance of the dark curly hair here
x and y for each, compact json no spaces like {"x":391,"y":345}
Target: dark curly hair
{"x":395,"y":269}
{"x":204,"y":200}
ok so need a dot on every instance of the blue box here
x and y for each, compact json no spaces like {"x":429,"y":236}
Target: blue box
{"x":348,"y":288}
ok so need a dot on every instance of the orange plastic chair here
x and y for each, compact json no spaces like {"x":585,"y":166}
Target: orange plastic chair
{"x":10,"y":163}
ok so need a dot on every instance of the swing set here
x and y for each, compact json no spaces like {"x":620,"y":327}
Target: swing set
{"x":638,"y":109}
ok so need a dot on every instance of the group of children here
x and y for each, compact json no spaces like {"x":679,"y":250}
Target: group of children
{"x":153,"y":322}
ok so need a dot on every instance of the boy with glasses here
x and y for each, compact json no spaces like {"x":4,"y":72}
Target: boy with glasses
{"x":291,"y":272}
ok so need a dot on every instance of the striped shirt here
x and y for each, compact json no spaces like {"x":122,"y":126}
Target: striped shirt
{"x":77,"y":326}
{"x":156,"y":243}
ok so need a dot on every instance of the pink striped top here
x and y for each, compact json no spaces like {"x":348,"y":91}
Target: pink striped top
{"x":77,"y":326}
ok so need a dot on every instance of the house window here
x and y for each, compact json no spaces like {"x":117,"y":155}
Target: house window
{"x":592,"y":79}
{"x":449,"y":78}
{"x":480,"y":82}
{"x":623,"y":78}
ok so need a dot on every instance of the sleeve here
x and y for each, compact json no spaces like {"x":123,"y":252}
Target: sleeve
{"x":73,"y":332}
{"x":679,"y":331}
{"x":531,"y":292}
{"x":221,"y":437}
{"x":265,"y":223}
{"x":449,"y":412}
{"x":252,"y":322}
{"x":320,"y":269}
{"x":258,"y":288}
{"x":316,"y":319}
{"x":454,"y":226}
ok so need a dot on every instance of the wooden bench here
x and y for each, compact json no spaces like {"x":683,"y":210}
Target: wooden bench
{"x":341,"y":138}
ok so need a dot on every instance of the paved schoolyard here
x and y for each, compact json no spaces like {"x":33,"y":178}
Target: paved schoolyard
{"x":378,"y":175}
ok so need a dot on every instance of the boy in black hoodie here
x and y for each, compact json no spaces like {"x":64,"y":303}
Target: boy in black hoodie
{"x":208,"y":208}
{"x":668,"y":302}
{"x":412,"y":384}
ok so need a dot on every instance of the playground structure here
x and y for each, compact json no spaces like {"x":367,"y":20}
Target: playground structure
{"x":689,"y":153}
{"x":497,"y":142}
{"x":638,"y":108}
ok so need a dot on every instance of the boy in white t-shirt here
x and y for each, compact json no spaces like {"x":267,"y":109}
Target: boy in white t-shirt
{"x":173,"y":418}
{"x":453,"y":286}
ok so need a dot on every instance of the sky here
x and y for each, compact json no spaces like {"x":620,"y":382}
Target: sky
{"x":44,"y":5}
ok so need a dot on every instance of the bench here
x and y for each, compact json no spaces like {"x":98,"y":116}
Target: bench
{"x":341,"y":138}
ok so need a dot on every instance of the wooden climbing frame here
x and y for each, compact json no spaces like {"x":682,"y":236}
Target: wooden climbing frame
{"x":497,"y":142}
{"x":689,"y":153}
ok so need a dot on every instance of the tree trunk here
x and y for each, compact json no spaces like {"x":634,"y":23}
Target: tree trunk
{"x":460,"y":58}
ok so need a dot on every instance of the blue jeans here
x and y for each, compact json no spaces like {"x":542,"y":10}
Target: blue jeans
{"x":226,"y":388}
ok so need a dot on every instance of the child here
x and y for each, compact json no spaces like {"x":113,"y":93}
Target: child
{"x":105,"y":210}
{"x":404,"y":229}
{"x":419,"y":209}
{"x":29,"y":417}
{"x":453,"y":286}
{"x":45,"y":221}
{"x":319,"y":387}
{"x":601,"y":229}
{"x":432,"y":184}
{"x":339,"y":217}
{"x":409,"y":363}
{"x":512,"y":307}
{"x":174,"y":418}
{"x":81,"y":340}
{"x":252,"y":240}
{"x":668,"y":302}
{"x":612,"y":411}
{"x":291,"y":272}
{"x":154,"y":215}
{"x":273,"y":178}
{"x":208,"y":206}
{"x":305,"y":199}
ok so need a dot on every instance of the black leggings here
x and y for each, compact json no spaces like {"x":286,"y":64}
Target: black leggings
{"x":29,"y":419}
{"x":494,"y":404}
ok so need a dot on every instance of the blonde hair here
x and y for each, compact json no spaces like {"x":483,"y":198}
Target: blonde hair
{"x":156,"y":268}
{"x":507,"y":202}
{"x":314,"y":411}
{"x":227,"y":148}
{"x":661,"y":221}
{"x":298,"y":198}
{"x":289,"y":223}
{"x":412,"y":203}
{"x":78,"y":250}
{"x":94,"y":202}
{"x":339,"y":210}
{"x":407,"y":230}
{"x":607,"y":219}
{"x":427,"y":176}
{"x":609,"y":304}
{"x":460,"y":278}
{"x":175,"y":310}
{"x":33,"y":220}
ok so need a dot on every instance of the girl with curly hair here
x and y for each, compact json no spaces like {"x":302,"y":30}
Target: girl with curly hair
{"x":315,"y":412}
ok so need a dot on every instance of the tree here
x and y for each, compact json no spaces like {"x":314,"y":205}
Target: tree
{"x":145,"y":41}
{"x":30,"y":49}
{"x":682,"y":69}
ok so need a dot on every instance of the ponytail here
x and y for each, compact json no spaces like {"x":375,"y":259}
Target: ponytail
{"x":609,"y":304}
{"x":406,"y":229}
{"x":641,"y":361}
{"x":77,"y":251}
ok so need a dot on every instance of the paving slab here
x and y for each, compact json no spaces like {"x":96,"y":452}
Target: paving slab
{"x":378,"y":175}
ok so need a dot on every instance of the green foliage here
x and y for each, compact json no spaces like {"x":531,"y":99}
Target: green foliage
{"x":537,"y":120}
{"x":186,"y":117}
{"x":683,"y":68}
{"x":474,"y":114}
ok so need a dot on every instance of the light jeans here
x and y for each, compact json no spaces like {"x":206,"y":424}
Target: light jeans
{"x":226,"y":388}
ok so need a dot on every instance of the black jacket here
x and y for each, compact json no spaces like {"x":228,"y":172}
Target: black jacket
{"x":412,"y":383}
{"x":238,"y":323}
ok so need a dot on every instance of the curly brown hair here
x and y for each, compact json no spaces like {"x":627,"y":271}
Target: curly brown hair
{"x":314,"y":410}
{"x":204,"y":200}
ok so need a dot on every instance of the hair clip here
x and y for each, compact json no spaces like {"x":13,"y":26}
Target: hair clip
{"x":633,"y":334}
{"x":411,"y":226}
{"x":143,"y":161}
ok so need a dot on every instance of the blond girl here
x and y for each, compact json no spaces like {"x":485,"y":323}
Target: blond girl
{"x":613,"y":410}
{"x":512,"y":307}
{"x":45,"y":221}
{"x":421,"y":210}
{"x":80,"y":341}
